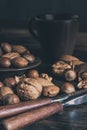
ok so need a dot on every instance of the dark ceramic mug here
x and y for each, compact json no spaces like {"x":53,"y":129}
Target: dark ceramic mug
{"x":57,"y":34}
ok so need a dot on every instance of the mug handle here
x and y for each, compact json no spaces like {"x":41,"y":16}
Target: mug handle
{"x":33,"y":28}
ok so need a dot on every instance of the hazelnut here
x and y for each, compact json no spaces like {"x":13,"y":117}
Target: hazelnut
{"x":6,"y":47}
{"x":33,"y":73}
{"x":68,"y":88}
{"x":19,"y":62}
{"x":51,"y":90}
{"x":70,"y":75}
{"x":10,"y":99}
{"x":5,"y":62}
{"x":29,"y":57}
{"x":18,"y":48}
{"x":9,"y":82}
{"x":4,"y":91}
{"x":1,"y":84}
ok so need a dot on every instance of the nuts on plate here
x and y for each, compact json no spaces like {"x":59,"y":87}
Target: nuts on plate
{"x":19,"y":62}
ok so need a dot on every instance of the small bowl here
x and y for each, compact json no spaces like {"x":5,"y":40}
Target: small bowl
{"x":10,"y":72}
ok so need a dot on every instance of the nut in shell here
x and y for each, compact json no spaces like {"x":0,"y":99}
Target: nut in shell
{"x":29,"y":88}
{"x":6,"y":47}
{"x":70,"y":75}
{"x":67,"y":88}
{"x":59,"y":67}
{"x":19,"y":48}
{"x":51,"y":90}
{"x":19,"y":62}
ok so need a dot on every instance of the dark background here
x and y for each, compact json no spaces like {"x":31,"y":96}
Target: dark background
{"x":16,"y":13}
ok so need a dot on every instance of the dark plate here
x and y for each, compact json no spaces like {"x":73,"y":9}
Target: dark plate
{"x":8,"y":72}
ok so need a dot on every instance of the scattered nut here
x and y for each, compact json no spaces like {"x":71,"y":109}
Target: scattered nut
{"x":4,"y":91}
{"x":59,"y":67}
{"x":51,"y":90}
{"x":67,"y":88}
{"x":46,"y":76}
{"x":29,"y":88}
{"x":70,"y":75}
{"x":10,"y":99}
{"x":1,"y":84}
{"x":33,"y":73}
{"x":9,"y":82}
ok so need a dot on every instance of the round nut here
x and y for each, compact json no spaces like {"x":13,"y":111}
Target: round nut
{"x":51,"y":90}
{"x":6,"y":47}
{"x":5,"y":62}
{"x":68,"y":58}
{"x":59,"y":67}
{"x":33,"y":73}
{"x":9,"y":82}
{"x":1,"y":85}
{"x":19,"y":62}
{"x":4,"y":91}
{"x":10,"y":99}
{"x":19,"y":48}
{"x":70,"y":75}
{"x":67,"y":88}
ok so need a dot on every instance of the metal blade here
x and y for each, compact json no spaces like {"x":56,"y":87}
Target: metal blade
{"x":76,"y":101}
{"x":63,"y":97}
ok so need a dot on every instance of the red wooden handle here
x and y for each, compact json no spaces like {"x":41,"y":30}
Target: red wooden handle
{"x":10,"y":110}
{"x":27,"y":118}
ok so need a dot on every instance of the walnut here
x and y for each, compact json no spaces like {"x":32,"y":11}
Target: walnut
{"x":59,"y":67}
{"x":46,"y":76}
{"x":80,"y":69}
{"x":29,"y":88}
{"x":82,"y":84}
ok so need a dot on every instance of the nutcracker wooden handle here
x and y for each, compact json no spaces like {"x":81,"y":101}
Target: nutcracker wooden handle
{"x":10,"y":110}
{"x":27,"y":118}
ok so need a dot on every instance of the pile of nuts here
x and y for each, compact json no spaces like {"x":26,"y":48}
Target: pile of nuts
{"x":14,"y":56}
{"x":70,"y":68}
{"x":27,"y":87}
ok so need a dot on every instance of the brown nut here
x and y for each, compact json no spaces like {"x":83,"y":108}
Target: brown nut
{"x":19,"y":48}
{"x":33,"y":73}
{"x":1,"y":52}
{"x":9,"y":82}
{"x":4,"y":91}
{"x":67,"y":88}
{"x":1,"y":85}
{"x":59,"y":67}
{"x":19,"y":62}
{"x":10,"y":99}
{"x":6,"y":47}
{"x":68,"y":58}
{"x":46,"y":76}
{"x":29,"y":57}
{"x":29,"y":88}
{"x":51,"y":90}
{"x":11,"y":55}
{"x":5,"y":62}
{"x":70,"y":75}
